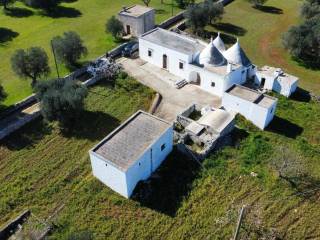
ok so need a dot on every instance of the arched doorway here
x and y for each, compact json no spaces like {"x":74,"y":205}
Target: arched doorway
{"x":164,"y":61}
{"x":194,"y":77}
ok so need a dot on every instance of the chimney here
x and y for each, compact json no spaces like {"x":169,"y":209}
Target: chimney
{"x":229,"y":68}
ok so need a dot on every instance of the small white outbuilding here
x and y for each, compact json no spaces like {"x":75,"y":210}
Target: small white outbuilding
{"x":254,"y":106}
{"x":275,"y":79}
{"x":132,"y":152}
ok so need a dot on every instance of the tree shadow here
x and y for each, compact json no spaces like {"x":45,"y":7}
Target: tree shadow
{"x":227,"y":39}
{"x":230,"y":28}
{"x":269,"y":9}
{"x":7,"y":35}
{"x":160,"y":11}
{"x":312,"y":63}
{"x":63,"y":12}
{"x":301,"y":95}
{"x":27,"y":136}
{"x":92,"y":126}
{"x":166,"y":188}
{"x":18,"y":12}
{"x":284,"y":127}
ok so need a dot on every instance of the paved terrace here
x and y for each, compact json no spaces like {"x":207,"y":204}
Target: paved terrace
{"x":174,"y":100}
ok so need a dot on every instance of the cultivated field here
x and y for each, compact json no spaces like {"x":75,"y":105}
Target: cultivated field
{"x":29,"y":27}
{"x":41,"y":169}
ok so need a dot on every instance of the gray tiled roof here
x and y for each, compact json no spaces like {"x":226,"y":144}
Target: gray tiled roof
{"x":127,"y":143}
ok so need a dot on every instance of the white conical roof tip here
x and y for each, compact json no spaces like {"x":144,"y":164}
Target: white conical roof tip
{"x":218,"y":42}
{"x":236,"y":55}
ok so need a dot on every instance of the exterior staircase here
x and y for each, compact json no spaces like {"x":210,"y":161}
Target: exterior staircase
{"x":180,"y":83}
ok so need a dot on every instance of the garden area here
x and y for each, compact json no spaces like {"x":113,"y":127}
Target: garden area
{"x":25,"y":27}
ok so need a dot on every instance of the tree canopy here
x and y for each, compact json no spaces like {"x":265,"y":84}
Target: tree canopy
{"x":69,"y":48}
{"x":214,"y":10}
{"x":303,"y":41}
{"x":114,"y":26}
{"x":61,"y":100}
{"x":258,"y":3}
{"x":184,"y":3}
{"x":31,"y":63}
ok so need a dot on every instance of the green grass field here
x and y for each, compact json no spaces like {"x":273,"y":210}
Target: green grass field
{"x":87,"y":17}
{"x":41,"y":169}
{"x":260,"y":34}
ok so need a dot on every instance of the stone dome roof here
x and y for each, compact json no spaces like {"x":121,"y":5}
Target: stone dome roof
{"x":218,"y":42}
{"x":210,"y":55}
{"x":236,"y":55}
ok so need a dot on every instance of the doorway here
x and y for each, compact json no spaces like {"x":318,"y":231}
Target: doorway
{"x":128,"y":29}
{"x":164,"y":61}
{"x":263,"y":81}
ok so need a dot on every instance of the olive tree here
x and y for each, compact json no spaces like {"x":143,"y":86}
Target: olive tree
{"x":214,"y":10}
{"x":196,"y":18}
{"x":115,"y":27}
{"x":61,"y":100}
{"x":31,"y":63}
{"x":69,"y":48}
{"x":310,"y":9}
{"x":303,"y":41}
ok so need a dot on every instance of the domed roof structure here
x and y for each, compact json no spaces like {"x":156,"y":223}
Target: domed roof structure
{"x":236,"y":55}
{"x":218,"y":42}
{"x":210,"y":55}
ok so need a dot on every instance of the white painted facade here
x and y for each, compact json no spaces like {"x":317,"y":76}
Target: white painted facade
{"x":123,"y":179}
{"x":212,"y":78}
{"x":274,"y":79}
{"x":256,"y":112}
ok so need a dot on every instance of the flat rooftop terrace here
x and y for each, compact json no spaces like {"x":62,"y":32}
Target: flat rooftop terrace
{"x":252,"y":96}
{"x":129,"y":141}
{"x":135,"y":10}
{"x":173,"y":41}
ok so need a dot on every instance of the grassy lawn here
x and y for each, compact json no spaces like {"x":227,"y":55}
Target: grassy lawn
{"x":30,"y":28}
{"x":260,"y":35}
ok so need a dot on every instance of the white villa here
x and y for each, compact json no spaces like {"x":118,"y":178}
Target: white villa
{"x":208,"y":65}
{"x":132,"y":152}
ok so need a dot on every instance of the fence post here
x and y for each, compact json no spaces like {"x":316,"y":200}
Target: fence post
{"x":236,"y":234}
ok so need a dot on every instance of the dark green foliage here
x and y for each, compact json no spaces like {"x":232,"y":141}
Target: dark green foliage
{"x":303,"y":41}
{"x":6,"y":3}
{"x":310,"y":9}
{"x":214,"y":10}
{"x":69,"y":48}
{"x":31,"y":63}
{"x":184,"y":3}
{"x":115,"y":27}
{"x":46,"y":5}
{"x":61,"y":100}
{"x":197,"y":18}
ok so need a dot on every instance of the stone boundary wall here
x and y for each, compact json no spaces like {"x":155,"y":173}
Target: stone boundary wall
{"x":167,"y":23}
{"x":7,"y":231}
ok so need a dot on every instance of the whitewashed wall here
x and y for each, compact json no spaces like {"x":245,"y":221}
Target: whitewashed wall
{"x":144,"y":167}
{"x":108,"y":174}
{"x":173,"y":57}
{"x":258,"y":115}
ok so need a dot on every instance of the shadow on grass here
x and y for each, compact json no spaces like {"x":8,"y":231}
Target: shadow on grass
{"x":269,"y":9}
{"x":63,"y":12}
{"x":284,"y":127}
{"x":160,"y":11}
{"x":227,"y":39}
{"x":18,"y":12}
{"x":230,"y":28}
{"x":93,"y":126}
{"x":27,"y":136}
{"x":7,"y":35}
{"x":301,"y":95}
{"x":167,"y":187}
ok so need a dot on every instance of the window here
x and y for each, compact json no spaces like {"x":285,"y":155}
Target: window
{"x":150,"y":53}
{"x":243,"y":71}
{"x":181,"y":65}
{"x":213,"y":84}
{"x":163,"y":146}
{"x":106,"y":165}
{"x":139,"y":163}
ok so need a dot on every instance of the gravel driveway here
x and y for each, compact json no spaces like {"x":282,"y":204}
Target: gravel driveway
{"x":174,"y":100}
